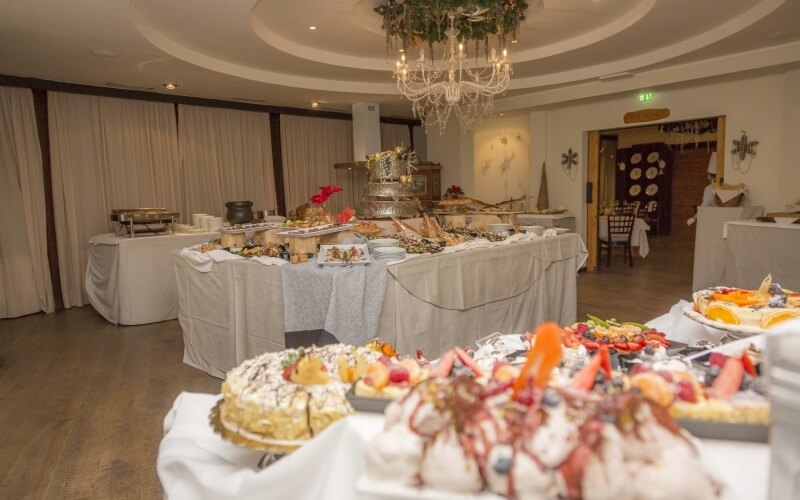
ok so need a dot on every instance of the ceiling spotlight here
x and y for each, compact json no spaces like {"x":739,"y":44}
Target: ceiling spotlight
{"x":170,"y":86}
{"x":103,"y":53}
{"x":315,"y":104}
{"x":400,"y":50}
{"x":513,"y":42}
{"x":312,"y":27}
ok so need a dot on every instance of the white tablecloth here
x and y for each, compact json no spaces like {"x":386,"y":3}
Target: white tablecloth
{"x":638,"y":234}
{"x":709,"y":245}
{"x":755,"y":249}
{"x":431,"y":303}
{"x":194,"y":463}
{"x":129,"y":281}
{"x":565,"y":220}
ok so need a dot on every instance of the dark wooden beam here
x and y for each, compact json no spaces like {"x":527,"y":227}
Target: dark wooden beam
{"x":277,"y":161}
{"x":42,"y":129}
{"x":76,"y":88}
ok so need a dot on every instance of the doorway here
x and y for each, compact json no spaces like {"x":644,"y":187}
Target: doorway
{"x":661,"y":169}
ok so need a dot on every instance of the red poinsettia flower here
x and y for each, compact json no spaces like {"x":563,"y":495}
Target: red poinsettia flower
{"x":325,"y":192}
{"x":345,"y":216}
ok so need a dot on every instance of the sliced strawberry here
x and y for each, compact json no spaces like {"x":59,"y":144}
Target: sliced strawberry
{"x":570,"y":341}
{"x":749,"y":367}
{"x":584,"y":379}
{"x":729,"y":379}
{"x":620,"y":346}
{"x":592,"y":346}
{"x":468,"y":361}
{"x":398,"y":374}
{"x":605,"y":361}
{"x":634,"y":347}
{"x":717,"y":359}
{"x":287,"y":372}
{"x":655,"y":344}
{"x":686,"y":391}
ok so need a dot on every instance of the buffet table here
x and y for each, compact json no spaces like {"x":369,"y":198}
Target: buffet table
{"x":638,"y":234}
{"x":709,"y":245}
{"x":755,"y":249}
{"x":564,"y":220}
{"x":431,"y":303}
{"x":125,"y":277}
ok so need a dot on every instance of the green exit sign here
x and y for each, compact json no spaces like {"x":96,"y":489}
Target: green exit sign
{"x":645,"y":96}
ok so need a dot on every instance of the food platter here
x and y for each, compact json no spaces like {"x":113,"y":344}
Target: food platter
{"x":314,"y":231}
{"x":737,"y":331}
{"x":343,"y":255}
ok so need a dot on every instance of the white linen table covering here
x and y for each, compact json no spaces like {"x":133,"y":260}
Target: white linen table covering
{"x":129,"y":281}
{"x":755,"y":249}
{"x":194,"y":463}
{"x":431,"y":303}
{"x":638,"y":234}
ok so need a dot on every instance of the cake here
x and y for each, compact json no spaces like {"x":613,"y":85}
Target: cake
{"x":764,"y":308}
{"x":294,"y":394}
{"x":389,"y":191}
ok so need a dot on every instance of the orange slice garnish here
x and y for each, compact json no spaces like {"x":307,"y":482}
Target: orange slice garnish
{"x":739,"y":297}
{"x":780,"y":317}
{"x":722,"y":314}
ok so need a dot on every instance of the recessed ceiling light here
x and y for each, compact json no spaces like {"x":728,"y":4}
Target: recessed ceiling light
{"x":312,"y":27}
{"x":170,"y":86}
{"x":315,"y":104}
{"x":103,"y":53}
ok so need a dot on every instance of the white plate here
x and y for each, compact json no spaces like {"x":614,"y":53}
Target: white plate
{"x":373,"y":488}
{"x":323,"y":250}
{"x":636,"y":173}
{"x":635,"y":190}
{"x":636,"y":158}
{"x":738,"y":331}
{"x":652,"y":157}
{"x":388,"y":251}
{"x":651,"y":190}
{"x":651,"y":173}
{"x":561,"y":230}
{"x":383,"y":242}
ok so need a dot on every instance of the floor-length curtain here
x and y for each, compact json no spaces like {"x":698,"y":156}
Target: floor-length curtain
{"x":311,"y":146}
{"x":106,"y":153}
{"x":226,"y":155}
{"x":393,"y":135}
{"x":25,"y":285}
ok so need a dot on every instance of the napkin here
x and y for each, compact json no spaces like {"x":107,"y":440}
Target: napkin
{"x":269,"y":261}
{"x":203,"y":261}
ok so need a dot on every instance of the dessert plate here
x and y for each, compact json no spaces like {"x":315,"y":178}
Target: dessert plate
{"x":737,"y":331}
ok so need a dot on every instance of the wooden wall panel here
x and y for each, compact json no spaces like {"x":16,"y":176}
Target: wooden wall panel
{"x":690,"y":178}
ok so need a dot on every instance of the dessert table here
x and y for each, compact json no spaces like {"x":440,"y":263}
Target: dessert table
{"x":754,"y":249}
{"x":638,"y":234}
{"x":709,"y":245}
{"x":431,"y":303}
{"x":124,"y":278}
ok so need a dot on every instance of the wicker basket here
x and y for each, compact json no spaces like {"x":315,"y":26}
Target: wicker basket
{"x":733,"y":202}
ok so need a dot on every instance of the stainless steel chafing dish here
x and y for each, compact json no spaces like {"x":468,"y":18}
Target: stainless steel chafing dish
{"x":132,"y":221}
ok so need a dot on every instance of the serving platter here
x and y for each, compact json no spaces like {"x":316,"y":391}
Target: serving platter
{"x":323,"y":251}
{"x":736,"y":331}
{"x":249,"y":228}
{"x":314,"y":231}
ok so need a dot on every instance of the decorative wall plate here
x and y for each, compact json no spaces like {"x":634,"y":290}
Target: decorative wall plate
{"x":651,"y":190}
{"x":652,"y":157}
{"x":621,"y":166}
{"x":651,"y":172}
{"x":662,"y":164}
{"x":636,"y":158}
{"x":636,"y":173}
{"x":635,"y":190}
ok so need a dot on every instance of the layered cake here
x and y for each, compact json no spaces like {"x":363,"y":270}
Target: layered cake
{"x":294,"y":394}
{"x":764,"y":308}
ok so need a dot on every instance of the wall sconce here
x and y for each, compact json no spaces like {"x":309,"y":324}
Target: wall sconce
{"x":742,"y":148}
{"x":568,"y":162}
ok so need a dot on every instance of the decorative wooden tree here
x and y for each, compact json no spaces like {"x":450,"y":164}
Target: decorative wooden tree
{"x":543,"y":202}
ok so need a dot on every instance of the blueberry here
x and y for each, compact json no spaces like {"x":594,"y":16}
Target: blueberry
{"x":649,"y":351}
{"x":502,"y":465}
{"x":551,"y":398}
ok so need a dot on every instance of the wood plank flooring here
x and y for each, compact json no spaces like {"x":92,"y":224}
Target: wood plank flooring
{"x":82,"y":401}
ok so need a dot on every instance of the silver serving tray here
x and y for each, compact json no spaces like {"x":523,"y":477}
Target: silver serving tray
{"x":143,"y":215}
{"x":311,"y":232}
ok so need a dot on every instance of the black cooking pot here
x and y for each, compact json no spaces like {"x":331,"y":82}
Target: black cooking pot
{"x":239,"y":212}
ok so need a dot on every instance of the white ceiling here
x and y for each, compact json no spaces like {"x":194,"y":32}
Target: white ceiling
{"x":263,"y":50}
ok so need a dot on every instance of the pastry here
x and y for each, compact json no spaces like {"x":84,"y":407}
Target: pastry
{"x":764,"y":308}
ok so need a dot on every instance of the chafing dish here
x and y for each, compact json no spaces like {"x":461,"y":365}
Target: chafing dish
{"x":132,"y":221}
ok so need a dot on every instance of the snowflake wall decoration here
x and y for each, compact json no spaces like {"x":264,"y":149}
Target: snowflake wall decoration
{"x":569,"y":160}
{"x":742,"y":148}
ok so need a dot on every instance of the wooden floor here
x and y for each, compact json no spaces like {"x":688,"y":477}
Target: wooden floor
{"x":82,"y":402}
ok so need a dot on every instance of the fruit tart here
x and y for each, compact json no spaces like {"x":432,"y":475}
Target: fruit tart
{"x":764,"y":308}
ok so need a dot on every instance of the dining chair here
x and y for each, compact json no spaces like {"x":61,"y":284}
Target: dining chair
{"x":620,"y":229}
{"x":652,"y":216}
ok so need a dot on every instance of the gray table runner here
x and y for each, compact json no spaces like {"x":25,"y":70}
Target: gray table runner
{"x":344,"y":301}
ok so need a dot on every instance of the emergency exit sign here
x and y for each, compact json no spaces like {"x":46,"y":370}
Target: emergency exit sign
{"x":645,"y":96}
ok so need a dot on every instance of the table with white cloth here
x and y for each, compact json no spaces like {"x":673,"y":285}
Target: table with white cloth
{"x":709,"y":244}
{"x":236,"y":310}
{"x":638,"y":234}
{"x":195,"y":463}
{"x":565,"y":220}
{"x":129,"y":280}
{"x":754,"y":249}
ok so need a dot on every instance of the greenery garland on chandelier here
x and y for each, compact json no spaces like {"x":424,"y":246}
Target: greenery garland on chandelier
{"x":409,"y":22}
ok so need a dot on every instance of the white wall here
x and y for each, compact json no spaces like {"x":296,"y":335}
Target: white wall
{"x":454,"y":151}
{"x":501,"y":158}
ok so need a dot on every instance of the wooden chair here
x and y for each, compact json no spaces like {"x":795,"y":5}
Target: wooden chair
{"x":620,"y":229}
{"x":653,"y":216}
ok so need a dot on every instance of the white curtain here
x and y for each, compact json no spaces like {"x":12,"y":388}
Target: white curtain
{"x":25,"y":285}
{"x":311,"y":146}
{"x":106,"y":153}
{"x":393,"y":135}
{"x":226,"y":155}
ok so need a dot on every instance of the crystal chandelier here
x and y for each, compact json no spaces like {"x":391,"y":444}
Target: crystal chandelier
{"x":452,"y":85}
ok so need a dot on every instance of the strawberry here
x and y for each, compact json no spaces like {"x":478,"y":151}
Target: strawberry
{"x":592,"y":346}
{"x":287,"y":372}
{"x":398,"y":374}
{"x":729,"y":379}
{"x":605,"y":361}
{"x":717,"y":359}
{"x":686,"y":391}
{"x":749,"y":367}
{"x":620,"y":346}
{"x":468,"y":362}
{"x":640,"y":368}
{"x":634,"y":347}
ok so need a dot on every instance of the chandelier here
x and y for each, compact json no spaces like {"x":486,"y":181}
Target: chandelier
{"x":456,"y":83}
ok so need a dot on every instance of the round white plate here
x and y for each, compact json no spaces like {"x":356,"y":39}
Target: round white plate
{"x":636,"y":173}
{"x":383,"y":242}
{"x":651,"y":190}
{"x":635,"y":190}
{"x":652,"y":157}
{"x":738,"y":331}
{"x":636,"y":158}
{"x":651,"y":172}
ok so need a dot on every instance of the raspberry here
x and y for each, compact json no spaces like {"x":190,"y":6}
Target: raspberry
{"x":686,"y":391}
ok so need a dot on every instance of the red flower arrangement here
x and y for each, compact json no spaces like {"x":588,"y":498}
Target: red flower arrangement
{"x":325,"y":192}
{"x":345,"y":216}
{"x":453,"y":192}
